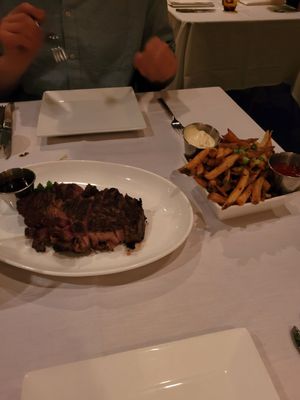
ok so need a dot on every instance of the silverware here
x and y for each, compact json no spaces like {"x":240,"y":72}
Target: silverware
{"x":58,"y":52}
{"x":176,"y":125}
{"x":295,"y":333}
{"x":194,"y":10}
{"x":6,"y":114}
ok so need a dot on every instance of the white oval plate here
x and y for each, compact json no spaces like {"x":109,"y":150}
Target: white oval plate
{"x":168,"y":211}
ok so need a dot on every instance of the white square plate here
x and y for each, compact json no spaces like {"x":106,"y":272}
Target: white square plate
{"x":218,"y":366}
{"x":71,"y":112}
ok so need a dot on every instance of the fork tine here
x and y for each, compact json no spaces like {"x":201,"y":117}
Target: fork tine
{"x":62,"y":53}
{"x":59,"y":54}
{"x":54,"y":54}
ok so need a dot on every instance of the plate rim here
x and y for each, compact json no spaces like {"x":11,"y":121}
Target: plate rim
{"x":111,"y":271}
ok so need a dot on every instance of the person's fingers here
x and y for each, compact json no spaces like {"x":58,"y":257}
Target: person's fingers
{"x":13,"y":40}
{"x":157,"y":62}
{"x":21,"y":31}
{"x":20,"y":23}
{"x":138,"y":61}
{"x":26,"y":8}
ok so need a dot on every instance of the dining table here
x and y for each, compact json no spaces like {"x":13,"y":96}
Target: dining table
{"x":253,"y":46}
{"x":243,"y":272}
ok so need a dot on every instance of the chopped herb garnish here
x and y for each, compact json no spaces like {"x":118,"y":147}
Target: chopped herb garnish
{"x":245,"y":160}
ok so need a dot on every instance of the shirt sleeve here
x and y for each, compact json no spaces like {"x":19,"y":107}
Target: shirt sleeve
{"x":157,"y":23}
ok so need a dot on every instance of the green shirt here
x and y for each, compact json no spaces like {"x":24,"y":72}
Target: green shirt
{"x":100,"y":38}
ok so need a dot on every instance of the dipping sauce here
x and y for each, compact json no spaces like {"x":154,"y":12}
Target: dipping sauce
{"x":198,"y":137}
{"x":16,"y":180}
{"x":286,"y":169}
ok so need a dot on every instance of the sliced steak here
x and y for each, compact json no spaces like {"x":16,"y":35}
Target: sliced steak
{"x":70,"y":218}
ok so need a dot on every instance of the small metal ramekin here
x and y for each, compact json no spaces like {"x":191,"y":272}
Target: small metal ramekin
{"x":285,"y":183}
{"x":189,"y":149}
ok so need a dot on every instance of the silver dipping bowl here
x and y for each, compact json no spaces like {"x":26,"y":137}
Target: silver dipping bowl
{"x":191,"y":150}
{"x":285,"y":183}
{"x":16,"y":183}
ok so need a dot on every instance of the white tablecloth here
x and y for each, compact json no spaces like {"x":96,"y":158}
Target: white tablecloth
{"x":253,"y":47}
{"x":241,"y":273}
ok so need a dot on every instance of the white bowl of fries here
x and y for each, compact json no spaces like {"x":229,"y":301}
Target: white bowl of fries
{"x":235,"y":176}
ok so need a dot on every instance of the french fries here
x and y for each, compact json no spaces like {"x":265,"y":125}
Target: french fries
{"x":234,"y":172}
{"x":238,"y":190}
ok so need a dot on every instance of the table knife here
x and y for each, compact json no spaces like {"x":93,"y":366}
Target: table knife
{"x":6,"y":130}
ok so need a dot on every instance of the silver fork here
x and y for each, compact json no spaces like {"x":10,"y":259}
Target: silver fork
{"x":58,"y":52}
{"x":176,"y":125}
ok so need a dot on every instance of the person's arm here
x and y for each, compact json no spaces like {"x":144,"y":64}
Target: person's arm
{"x":20,"y":38}
{"x":156,"y":64}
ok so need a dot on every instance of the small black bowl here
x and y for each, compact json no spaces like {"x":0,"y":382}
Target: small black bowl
{"x":16,"y":183}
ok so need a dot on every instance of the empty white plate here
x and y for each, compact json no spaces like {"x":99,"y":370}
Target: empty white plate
{"x":72,"y":112}
{"x":218,"y":366}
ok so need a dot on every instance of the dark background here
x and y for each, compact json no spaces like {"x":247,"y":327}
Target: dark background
{"x":273,"y":108}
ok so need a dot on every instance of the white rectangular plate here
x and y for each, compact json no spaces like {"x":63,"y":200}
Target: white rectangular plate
{"x":218,"y":366}
{"x":72,"y":112}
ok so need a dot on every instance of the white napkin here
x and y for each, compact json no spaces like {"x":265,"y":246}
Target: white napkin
{"x":257,"y":2}
{"x":190,"y":4}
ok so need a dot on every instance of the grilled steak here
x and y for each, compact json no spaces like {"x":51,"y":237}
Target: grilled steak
{"x":70,"y":218}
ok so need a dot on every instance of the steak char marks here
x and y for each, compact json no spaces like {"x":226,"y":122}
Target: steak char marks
{"x":72,"y":219}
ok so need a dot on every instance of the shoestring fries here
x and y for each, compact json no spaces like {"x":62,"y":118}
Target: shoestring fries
{"x":234,"y":172}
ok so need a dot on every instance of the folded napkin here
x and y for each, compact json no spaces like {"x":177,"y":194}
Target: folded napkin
{"x":190,"y":4}
{"x":257,"y":2}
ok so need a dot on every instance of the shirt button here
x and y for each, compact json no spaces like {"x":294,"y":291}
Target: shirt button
{"x":68,"y":13}
{"x":72,"y":56}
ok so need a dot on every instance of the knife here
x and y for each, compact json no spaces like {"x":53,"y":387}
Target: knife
{"x":6,"y":114}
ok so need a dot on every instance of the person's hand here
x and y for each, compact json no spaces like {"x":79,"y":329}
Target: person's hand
{"x":20,"y":33}
{"x":156,"y":62}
